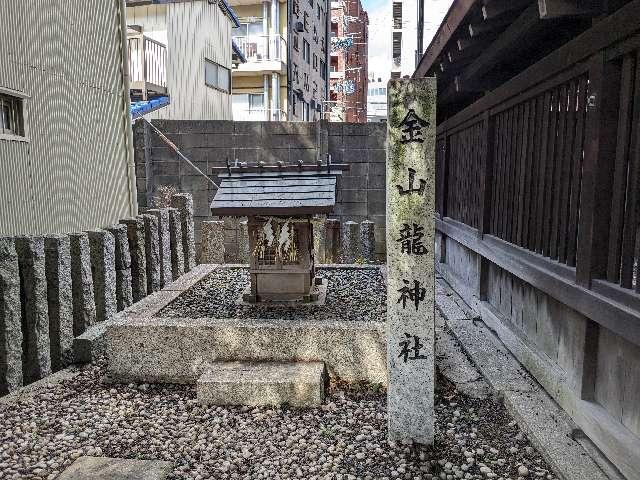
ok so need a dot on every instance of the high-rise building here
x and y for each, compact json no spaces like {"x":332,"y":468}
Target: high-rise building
{"x":349,"y":64}
{"x":286,"y":47}
{"x":404,"y":36}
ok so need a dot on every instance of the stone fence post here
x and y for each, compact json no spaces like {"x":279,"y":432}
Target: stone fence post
{"x":60,"y":299}
{"x":84,"y":304}
{"x":137,"y":252}
{"x":164,"y":242}
{"x":175,"y":239}
{"x":184,"y":203}
{"x":103,"y":268}
{"x":350,"y":242}
{"x":212,"y":242}
{"x":152,"y":252}
{"x":368,"y":241}
{"x":243,"y":242}
{"x":332,"y":244}
{"x":33,"y":289}
{"x":10,"y":318}
{"x":319,"y":241}
{"x":124,"y":289}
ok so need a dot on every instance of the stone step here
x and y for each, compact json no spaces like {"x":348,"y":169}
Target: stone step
{"x":300,"y":384}
{"x":104,"y":468}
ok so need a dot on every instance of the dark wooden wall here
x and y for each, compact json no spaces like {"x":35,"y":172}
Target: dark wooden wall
{"x":538,"y":200}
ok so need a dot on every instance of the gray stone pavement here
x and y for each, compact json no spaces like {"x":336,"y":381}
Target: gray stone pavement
{"x":547,"y":426}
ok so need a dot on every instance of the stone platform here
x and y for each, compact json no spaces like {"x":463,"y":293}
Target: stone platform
{"x":143,"y":346}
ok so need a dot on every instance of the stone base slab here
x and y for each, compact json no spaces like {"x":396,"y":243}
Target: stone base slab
{"x":180,"y":350}
{"x":263,"y":384}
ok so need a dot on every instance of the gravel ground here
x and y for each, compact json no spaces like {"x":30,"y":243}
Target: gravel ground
{"x":353,"y":294}
{"x":344,"y":439}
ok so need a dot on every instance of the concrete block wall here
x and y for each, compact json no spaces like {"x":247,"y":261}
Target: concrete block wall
{"x":208,"y":144}
{"x":53,"y":288}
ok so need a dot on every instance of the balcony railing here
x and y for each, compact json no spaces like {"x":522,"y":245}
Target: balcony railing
{"x":262,"y":48}
{"x":262,"y":114}
{"x":147,"y":65}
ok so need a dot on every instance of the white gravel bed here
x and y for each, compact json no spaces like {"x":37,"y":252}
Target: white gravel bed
{"x":353,"y":295}
{"x":344,"y":439}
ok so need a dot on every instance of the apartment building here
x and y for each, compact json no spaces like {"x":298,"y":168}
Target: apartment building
{"x":377,"y":99}
{"x":180,"y":56}
{"x":348,"y":70}
{"x":407,"y":22}
{"x":285,"y":44}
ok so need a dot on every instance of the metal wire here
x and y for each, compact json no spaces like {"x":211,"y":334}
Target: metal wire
{"x":178,"y":152}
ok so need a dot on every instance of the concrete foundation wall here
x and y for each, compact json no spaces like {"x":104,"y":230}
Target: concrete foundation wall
{"x":589,"y":370}
{"x":208,"y":144}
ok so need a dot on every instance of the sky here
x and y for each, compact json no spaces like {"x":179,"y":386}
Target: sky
{"x":380,"y":30}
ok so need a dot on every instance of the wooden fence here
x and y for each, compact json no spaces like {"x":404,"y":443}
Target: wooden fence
{"x":540,"y":179}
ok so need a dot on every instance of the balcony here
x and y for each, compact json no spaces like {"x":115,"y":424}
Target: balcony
{"x":264,"y":53}
{"x":147,"y":66}
{"x":259,"y":114}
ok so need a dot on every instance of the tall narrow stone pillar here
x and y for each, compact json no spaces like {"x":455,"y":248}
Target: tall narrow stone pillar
{"x":184,"y":203}
{"x":164,"y":243}
{"x":332,"y":244}
{"x":84,"y":303}
{"x":368,"y":241}
{"x":137,"y":251}
{"x":103,"y":269}
{"x":410,"y":275}
{"x":350,"y":242}
{"x":60,"y":299}
{"x":36,"y":362}
{"x":212,"y":242}
{"x":152,"y":252}
{"x":243,"y":242}
{"x":10,"y":318}
{"x":175,"y":239}
{"x":124,"y":289}
{"x":319,"y":241}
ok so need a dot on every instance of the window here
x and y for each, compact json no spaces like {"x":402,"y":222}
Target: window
{"x":311,"y":3}
{"x":216,"y":76}
{"x":396,"y":48}
{"x":315,"y":61}
{"x":306,"y":22}
{"x":323,"y":70}
{"x":305,"y":111}
{"x":296,"y":45}
{"x":11,"y":119}
{"x":318,"y":11}
{"x":250,"y":29}
{"x":397,"y":15}
{"x":306,"y":51}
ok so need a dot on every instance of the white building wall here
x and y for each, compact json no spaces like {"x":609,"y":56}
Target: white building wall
{"x":192,"y":31}
{"x":73,"y":170}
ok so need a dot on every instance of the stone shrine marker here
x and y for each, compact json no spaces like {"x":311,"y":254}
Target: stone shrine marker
{"x":410,"y":275}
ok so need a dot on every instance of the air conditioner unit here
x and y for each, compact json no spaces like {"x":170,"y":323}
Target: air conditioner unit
{"x":299,"y":27}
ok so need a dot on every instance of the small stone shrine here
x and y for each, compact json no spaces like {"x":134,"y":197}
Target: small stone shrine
{"x":280,"y":202}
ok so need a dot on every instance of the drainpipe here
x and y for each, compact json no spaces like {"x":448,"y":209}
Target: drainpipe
{"x":265,"y":26}
{"x":289,"y":69}
{"x":126,"y":106}
{"x":327,"y":57}
{"x":265,"y":86}
{"x":274,"y":95}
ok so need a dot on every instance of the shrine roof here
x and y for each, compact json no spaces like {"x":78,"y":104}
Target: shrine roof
{"x":275,"y":191}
